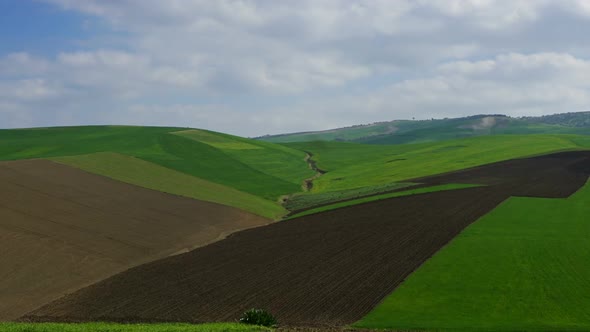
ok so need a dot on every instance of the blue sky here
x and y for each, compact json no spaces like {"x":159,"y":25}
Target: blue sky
{"x":41,"y":28}
{"x":255,"y":67}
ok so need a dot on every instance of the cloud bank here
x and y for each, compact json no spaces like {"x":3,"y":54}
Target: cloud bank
{"x":258,"y":67}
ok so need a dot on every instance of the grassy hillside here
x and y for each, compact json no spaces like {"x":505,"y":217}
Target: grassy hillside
{"x":268,"y":171}
{"x":524,"y":266}
{"x":272,"y":159}
{"x":352,"y":165}
{"x":190,"y":162}
{"x":410,"y":131}
{"x":148,"y":175}
{"x":339,"y":134}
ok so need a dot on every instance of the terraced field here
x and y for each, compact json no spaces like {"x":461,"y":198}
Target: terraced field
{"x":337,"y":265}
{"x":62,"y":229}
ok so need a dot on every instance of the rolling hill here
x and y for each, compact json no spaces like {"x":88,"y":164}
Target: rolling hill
{"x":79,"y":204}
{"x":410,"y":131}
{"x":330,"y":268}
{"x":139,"y":218}
{"x":247,"y":174}
{"x":354,"y":165}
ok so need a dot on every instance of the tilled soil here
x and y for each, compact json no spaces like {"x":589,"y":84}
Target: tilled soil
{"x":327,"y":269}
{"x":62,"y":229}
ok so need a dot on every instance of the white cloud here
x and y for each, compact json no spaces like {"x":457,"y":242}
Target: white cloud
{"x":22,"y":64}
{"x":30,"y":90}
{"x":271,"y":66}
{"x":514,"y":84}
{"x":490,"y":14}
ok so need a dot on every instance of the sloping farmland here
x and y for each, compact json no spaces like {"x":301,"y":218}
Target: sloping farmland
{"x":329,"y":268}
{"x":62,"y":229}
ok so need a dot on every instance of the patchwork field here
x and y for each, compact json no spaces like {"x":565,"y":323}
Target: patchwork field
{"x":272,"y":159}
{"x":153,"y":176}
{"x":62,"y":228}
{"x":351,"y":165}
{"x":337,"y":265}
{"x":521,"y":267}
{"x":258,"y":172}
{"x":109,"y":217}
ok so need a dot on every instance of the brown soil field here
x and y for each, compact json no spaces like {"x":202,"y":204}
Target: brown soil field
{"x":62,"y":229}
{"x":327,"y":269}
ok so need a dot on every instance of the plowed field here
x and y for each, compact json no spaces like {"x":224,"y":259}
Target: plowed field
{"x":62,"y":229}
{"x":325,"y":269}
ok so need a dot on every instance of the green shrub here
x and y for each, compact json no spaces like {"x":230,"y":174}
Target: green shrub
{"x":258,"y":317}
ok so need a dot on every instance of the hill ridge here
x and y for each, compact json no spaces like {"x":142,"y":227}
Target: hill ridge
{"x":412,"y":131}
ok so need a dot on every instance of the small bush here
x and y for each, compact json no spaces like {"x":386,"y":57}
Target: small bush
{"x":258,"y":317}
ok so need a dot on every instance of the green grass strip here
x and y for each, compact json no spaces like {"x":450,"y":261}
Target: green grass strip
{"x":384,"y":196}
{"x":301,"y":201}
{"x":113,"y":327}
{"x":522,"y":267}
{"x":149,"y":175}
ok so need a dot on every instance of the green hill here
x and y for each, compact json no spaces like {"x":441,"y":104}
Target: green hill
{"x":353,"y":165}
{"x":271,"y":159}
{"x":252,"y":174}
{"x":254,"y":168}
{"x":410,"y":131}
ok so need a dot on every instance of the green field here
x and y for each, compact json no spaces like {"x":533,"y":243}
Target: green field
{"x":383,"y":196}
{"x":149,"y":175}
{"x":260,"y":169}
{"x":353,"y":165}
{"x":523,"y":266}
{"x":112,"y":327}
{"x":193,"y":161}
{"x":306,"y":200}
{"x":272,"y":159}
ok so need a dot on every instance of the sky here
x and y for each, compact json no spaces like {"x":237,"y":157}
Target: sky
{"x":256,"y":67}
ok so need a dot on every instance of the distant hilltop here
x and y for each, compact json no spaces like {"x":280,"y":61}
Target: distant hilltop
{"x":415,"y":131}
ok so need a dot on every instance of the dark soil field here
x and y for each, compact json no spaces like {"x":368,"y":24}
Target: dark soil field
{"x":327,"y":269}
{"x":62,"y":229}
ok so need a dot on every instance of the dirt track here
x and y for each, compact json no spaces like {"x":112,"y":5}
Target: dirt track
{"x":62,"y":229}
{"x":327,"y":269}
